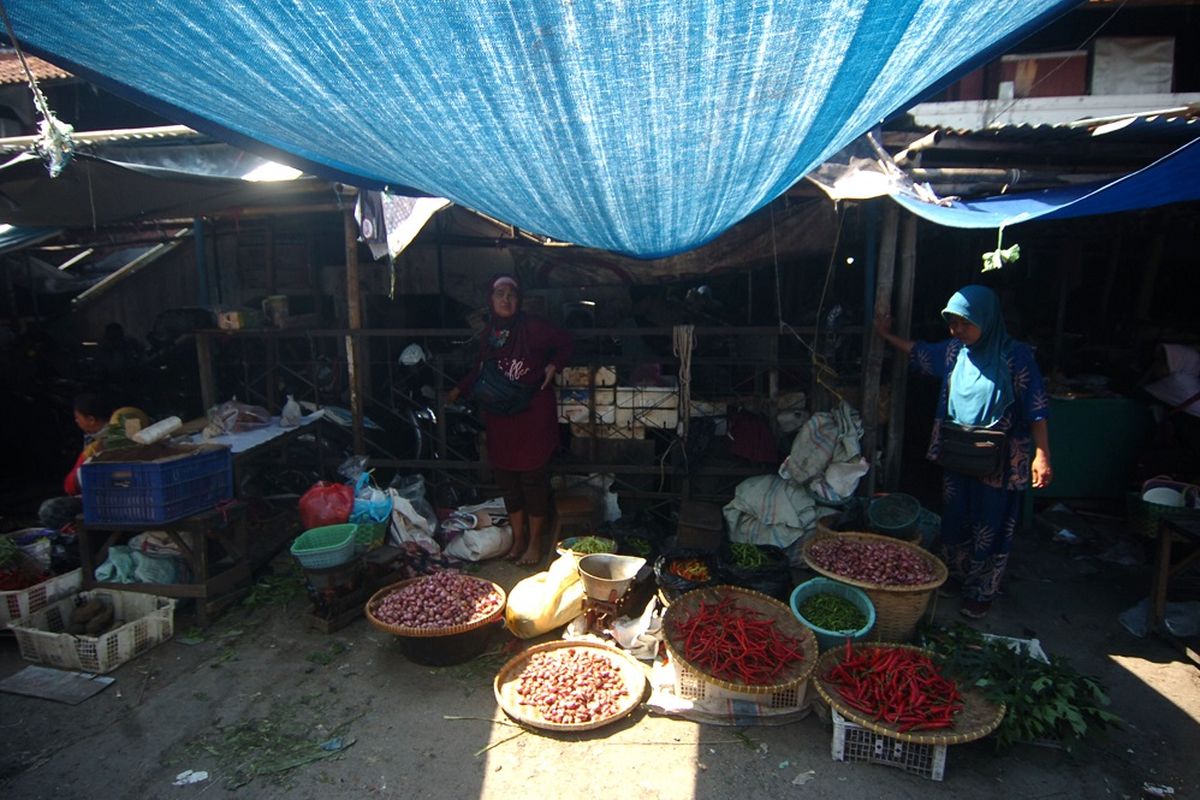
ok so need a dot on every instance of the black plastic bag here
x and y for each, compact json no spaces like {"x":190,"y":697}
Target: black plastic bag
{"x":673,"y":585}
{"x":773,"y":577}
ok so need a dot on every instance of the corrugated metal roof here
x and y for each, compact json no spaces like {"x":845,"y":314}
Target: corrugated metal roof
{"x":23,"y":144}
{"x":11,"y":70}
{"x":1142,"y":128}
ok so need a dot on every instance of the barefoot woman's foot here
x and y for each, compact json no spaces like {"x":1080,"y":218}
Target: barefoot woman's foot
{"x":533,"y":553}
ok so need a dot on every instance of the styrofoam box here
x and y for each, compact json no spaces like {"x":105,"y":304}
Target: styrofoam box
{"x":586,"y":430}
{"x":576,"y":405}
{"x":585,"y":377}
{"x":651,"y":406}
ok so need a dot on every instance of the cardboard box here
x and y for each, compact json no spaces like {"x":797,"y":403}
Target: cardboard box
{"x":240,"y":319}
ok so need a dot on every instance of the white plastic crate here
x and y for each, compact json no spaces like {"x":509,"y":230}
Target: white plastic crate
{"x":853,"y":742}
{"x":142,"y":621}
{"x":691,"y":685}
{"x":23,"y":602}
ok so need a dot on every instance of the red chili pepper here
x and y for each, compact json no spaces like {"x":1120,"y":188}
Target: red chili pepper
{"x":898,"y":686}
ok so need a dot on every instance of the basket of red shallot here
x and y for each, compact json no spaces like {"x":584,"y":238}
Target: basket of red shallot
{"x":439,"y":619}
{"x":899,"y":577}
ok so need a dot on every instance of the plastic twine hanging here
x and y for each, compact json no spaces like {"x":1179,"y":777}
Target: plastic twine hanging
{"x":54,"y":144}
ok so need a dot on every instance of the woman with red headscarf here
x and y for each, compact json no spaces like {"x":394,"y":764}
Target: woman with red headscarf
{"x":519,"y":354}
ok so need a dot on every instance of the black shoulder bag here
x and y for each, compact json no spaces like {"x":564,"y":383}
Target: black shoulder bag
{"x":972,"y":450}
{"x":499,"y":395}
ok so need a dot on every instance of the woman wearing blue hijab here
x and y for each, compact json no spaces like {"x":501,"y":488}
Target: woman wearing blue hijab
{"x":989,"y":380}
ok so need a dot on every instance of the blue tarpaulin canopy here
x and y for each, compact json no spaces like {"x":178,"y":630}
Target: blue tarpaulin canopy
{"x":1172,"y":179}
{"x":643,"y":127}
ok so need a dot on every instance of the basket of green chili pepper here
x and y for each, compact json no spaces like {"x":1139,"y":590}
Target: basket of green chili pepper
{"x":835,"y":611}
{"x":760,"y":567}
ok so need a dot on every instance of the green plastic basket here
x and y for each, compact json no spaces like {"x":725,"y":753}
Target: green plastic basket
{"x":894,"y":514}
{"x":324,"y":547}
{"x":826,"y":638}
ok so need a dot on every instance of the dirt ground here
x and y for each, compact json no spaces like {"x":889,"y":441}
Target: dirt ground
{"x":248,"y":699}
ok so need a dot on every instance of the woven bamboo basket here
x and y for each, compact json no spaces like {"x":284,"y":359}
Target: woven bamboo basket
{"x":508,"y":679}
{"x":785,"y":622}
{"x":897,"y":608}
{"x":978,"y":718}
{"x":438,"y":646}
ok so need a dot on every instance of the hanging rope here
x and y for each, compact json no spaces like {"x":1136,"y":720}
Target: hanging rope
{"x":822,"y":373}
{"x":684,"y":342}
{"x":54,"y":145}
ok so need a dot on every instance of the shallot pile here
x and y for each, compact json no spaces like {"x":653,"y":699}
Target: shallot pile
{"x":442,"y":600}
{"x":571,"y":686}
{"x":871,"y":562}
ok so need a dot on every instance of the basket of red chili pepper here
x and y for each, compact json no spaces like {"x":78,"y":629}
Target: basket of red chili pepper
{"x":900,"y":691}
{"x":741,"y":641}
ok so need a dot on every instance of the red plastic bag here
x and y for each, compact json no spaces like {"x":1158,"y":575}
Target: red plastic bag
{"x":326,"y":504}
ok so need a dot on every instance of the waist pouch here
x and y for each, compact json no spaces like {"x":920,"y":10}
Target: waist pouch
{"x":973,"y":451}
{"x":499,"y":395}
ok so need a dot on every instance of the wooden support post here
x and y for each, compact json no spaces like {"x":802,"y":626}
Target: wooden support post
{"x":1110,"y":275}
{"x":208,"y":384}
{"x":354,"y":323}
{"x":903,"y":328}
{"x":271,"y":376}
{"x":873,"y":345}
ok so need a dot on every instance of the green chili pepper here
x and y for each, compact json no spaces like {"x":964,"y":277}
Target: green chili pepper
{"x":833,"y":613}
{"x":591,"y":544}
{"x":747,"y":556}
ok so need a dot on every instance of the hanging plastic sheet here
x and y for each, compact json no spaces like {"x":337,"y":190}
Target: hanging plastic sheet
{"x":646,"y":128}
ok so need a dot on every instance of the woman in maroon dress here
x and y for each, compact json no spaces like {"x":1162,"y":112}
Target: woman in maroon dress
{"x":527,"y":350}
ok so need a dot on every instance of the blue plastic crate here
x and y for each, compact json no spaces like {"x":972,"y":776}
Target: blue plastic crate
{"x":175,"y":485}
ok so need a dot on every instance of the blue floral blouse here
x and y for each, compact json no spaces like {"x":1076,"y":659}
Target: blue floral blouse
{"x":1032,"y":404}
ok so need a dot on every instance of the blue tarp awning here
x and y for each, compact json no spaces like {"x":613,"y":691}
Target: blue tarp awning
{"x":1173,"y":178}
{"x":643,"y":127}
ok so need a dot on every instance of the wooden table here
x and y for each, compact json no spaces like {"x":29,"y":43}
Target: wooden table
{"x":1172,"y":532}
{"x":224,"y":526}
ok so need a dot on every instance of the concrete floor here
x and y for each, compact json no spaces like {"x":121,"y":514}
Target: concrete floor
{"x":248,"y":700}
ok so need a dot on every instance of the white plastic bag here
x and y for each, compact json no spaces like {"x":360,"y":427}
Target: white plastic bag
{"x":289,"y":417}
{"x":545,"y":601}
{"x":407,"y":525}
{"x":481,"y":544}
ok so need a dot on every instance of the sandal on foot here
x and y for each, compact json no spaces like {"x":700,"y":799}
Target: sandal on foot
{"x":974,"y":609}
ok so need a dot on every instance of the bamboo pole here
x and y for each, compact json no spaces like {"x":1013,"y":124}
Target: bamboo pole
{"x":873,"y":345}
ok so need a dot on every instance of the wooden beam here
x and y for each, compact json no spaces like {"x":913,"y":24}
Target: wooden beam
{"x":873,"y":345}
{"x":1153,"y":260}
{"x":208,"y":384}
{"x":354,"y":323}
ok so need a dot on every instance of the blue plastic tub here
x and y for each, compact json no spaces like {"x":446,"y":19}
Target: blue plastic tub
{"x":825,"y":638}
